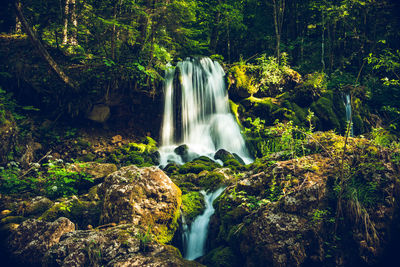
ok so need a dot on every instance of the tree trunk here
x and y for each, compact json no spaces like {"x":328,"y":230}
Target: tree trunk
{"x":323,"y":42}
{"x":74,"y":20}
{"x":66,"y":15}
{"x":42,"y":51}
{"x":279,"y":10}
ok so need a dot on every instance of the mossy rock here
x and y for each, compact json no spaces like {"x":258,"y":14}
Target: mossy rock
{"x":323,"y":109}
{"x":12,"y":219}
{"x":140,"y":154}
{"x":223,"y":155}
{"x":222,"y":257}
{"x":192,"y":205}
{"x":358,"y":124}
{"x":36,"y":206}
{"x":171,"y":168}
{"x":232,"y":164}
{"x":212,"y":180}
{"x":83,"y":213}
{"x":198,"y":165}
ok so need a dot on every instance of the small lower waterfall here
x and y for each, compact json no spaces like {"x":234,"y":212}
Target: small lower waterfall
{"x":194,"y":239}
{"x":347,"y":104}
{"x":196,"y":113}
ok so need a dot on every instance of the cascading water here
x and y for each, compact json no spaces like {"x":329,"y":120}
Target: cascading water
{"x":197,"y":114}
{"x":347,"y":104}
{"x":195,"y":239}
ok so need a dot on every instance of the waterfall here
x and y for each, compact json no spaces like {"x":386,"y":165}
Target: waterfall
{"x":202,"y":119}
{"x":195,"y":239}
{"x":347,"y":104}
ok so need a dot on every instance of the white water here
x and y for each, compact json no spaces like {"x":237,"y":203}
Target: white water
{"x":194,"y":241}
{"x":206,"y":122}
{"x":347,"y":104}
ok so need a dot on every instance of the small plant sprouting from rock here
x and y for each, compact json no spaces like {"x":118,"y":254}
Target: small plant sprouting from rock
{"x":145,"y":238}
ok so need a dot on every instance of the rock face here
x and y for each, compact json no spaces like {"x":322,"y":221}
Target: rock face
{"x":144,"y":196}
{"x":98,"y":171}
{"x":99,"y":113}
{"x":118,"y":246}
{"x":33,"y":238}
{"x":295,"y":213}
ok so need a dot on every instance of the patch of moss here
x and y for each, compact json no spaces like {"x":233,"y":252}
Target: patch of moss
{"x":323,"y":109}
{"x":222,"y":257}
{"x":212,"y":180}
{"x":198,"y":165}
{"x":192,"y":205}
{"x":80,"y":212}
{"x":140,"y":154}
{"x":235,"y":110}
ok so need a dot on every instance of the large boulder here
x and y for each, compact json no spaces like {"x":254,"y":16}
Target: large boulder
{"x":295,"y":213}
{"x":123,"y":245}
{"x":142,"y":196}
{"x":33,"y":238}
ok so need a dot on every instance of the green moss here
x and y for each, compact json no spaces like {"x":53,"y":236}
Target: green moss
{"x":232,"y":163}
{"x":140,"y":154}
{"x":81,"y":212}
{"x":198,"y":165}
{"x":241,"y":79}
{"x":358,"y":124}
{"x":192,"y":205}
{"x":212,"y":181}
{"x":171,"y":168}
{"x":323,"y":109}
{"x":235,"y":110}
{"x":222,"y":257}
{"x":165,"y":232}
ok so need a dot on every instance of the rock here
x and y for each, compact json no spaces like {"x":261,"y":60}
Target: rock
{"x":81,"y":212}
{"x":238,"y":158}
{"x":33,"y":238}
{"x":12,"y":219}
{"x":4,"y":213}
{"x":97,"y":171}
{"x":284,"y":214}
{"x":122,"y":245}
{"x":116,"y":139}
{"x":142,"y":196}
{"x":35,"y":206}
{"x":223,"y":155}
{"x":181,"y":150}
{"x":99,"y":113}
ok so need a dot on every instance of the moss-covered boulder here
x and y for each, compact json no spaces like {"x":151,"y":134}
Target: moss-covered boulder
{"x":198,"y":165}
{"x":122,"y":245}
{"x":221,"y":257}
{"x":192,"y":205}
{"x":326,"y":116}
{"x":33,"y":238}
{"x":143,"y":154}
{"x":36,"y":206}
{"x":83,"y":213}
{"x":223,"y":155}
{"x":143,"y":196}
{"x":212,"y":180}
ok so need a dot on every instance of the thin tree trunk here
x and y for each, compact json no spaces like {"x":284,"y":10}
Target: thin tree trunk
{"x":323,"y":42}
{"x":65,"y":29}
{"x":279,"y":10}
{"x":18,"y":27}
{"x":74,"y":20}
{"x":42,"y":51}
